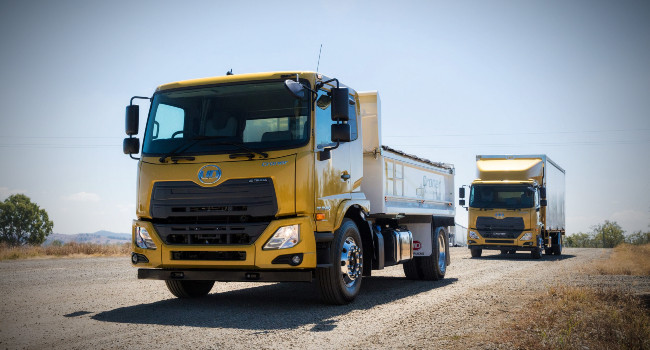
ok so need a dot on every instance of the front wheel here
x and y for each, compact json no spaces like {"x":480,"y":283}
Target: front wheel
{"x":476,"y":252}
{"x":537,"y":251}
{"x":189,"y":289}
{"x":340,"y":283}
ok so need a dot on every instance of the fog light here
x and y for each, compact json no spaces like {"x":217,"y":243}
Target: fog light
{"x":296,"y":260}
{"x":138,"y":258}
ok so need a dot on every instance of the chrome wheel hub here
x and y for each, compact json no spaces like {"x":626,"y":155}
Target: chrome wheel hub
{"x":351,"y":261}
{"x":442,"y":257}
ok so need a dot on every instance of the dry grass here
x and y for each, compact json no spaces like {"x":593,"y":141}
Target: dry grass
{"x":66,"y":250}
{"x":626,"y":259}
{"x":581,"y":318}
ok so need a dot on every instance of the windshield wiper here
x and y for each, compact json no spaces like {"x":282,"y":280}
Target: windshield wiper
{"x":191,"y":142}
{"x":251,"y":152}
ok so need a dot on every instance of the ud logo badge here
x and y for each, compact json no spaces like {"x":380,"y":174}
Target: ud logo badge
{"x":209,"y":174}
{"x":499,"y":215}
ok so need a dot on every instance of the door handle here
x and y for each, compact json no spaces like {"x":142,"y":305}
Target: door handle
{"x":345,"y":176}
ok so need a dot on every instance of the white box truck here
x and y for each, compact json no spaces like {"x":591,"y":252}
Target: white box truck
{"x":516,"y":203}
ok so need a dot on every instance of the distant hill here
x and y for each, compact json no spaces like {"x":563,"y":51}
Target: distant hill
{"x":99,"y":237}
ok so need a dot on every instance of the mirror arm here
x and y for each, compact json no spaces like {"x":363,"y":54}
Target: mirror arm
{"x":322,"y":83}
{"x":138,"y":97}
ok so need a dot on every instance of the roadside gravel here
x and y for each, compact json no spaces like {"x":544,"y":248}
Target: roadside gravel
{"x":99,"y":303}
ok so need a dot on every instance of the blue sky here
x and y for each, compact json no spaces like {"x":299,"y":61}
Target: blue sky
{"x":570,"y":79}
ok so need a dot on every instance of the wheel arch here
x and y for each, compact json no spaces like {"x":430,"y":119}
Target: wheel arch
{"x":358,"y":215}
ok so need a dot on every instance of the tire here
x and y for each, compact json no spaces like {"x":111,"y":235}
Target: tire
{"x":557,"y":247}
{"x":411,"y":270}
{"x":537,"y":251}
{"x":432,"y":267}
{"x":476,"y":252}
{"x":340,"y":283}
{"x":548,"y":251}
{"x":504,"y":252}
{"x":189,"y":289}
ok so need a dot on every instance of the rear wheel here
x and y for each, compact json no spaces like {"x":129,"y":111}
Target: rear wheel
{"x":432,"y":267}
{"x":557,"y":247}
{"x":340,"y":283}
{"x":411,"y":270}
{"x":476,"y":252}
{"x":189,"y":289}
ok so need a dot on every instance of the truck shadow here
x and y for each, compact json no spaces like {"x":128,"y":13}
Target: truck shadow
{"x":268,"y":307}
{"x":523,"y":256}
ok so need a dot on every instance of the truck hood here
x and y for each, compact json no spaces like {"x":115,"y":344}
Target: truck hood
{"x":204,"y":183}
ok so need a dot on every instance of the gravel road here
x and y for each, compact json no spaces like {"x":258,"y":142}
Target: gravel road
{"x":93,"y":303}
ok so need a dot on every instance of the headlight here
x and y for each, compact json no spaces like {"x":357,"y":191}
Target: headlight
{"x":284,"y":237}
{"x":473,"y":235}
{"x":142,"y":238}
{"x":527,"y":236}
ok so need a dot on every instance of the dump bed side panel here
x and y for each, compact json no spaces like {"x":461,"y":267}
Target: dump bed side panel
{"x":399,"y":185}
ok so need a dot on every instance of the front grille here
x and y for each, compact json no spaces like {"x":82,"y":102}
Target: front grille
{"x":233,"y":213}
{"x":500,"y":241}
{"x":489,"y":227}
{"x":214,"y":256}
{"x":210,"y":234}
{"x":237,"y":197}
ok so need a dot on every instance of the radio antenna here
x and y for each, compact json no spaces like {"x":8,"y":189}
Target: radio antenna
{"x":319,"y":51}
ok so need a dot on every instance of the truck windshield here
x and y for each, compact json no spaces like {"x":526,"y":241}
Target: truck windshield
{"x":502,"y":196}
{"x":258,"y":116}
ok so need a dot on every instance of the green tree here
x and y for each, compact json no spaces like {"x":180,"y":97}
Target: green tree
{"x":638,"y":238}
{"x":580,"y":240}
{"x":23,"y":222}
{"x":608,"y":235}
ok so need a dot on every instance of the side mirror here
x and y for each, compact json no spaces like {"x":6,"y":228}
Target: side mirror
{"x":461,"y":202}
{"x":295,"y":88}
{"x":325,"y":154}
{"x":132,"y":119}
{"x":341,"y":133}
{"x":543,"y":202}
{"x":340,"y":105}
{"x":542,"y":192}
{"x":131,"y":145}
{"x":461,"y":193}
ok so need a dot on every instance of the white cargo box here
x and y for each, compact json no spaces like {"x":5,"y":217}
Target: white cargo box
{"x":398,"y":183}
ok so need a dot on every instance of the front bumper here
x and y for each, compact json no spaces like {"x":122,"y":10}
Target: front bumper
{"x":500,"y":247}
{"x":230,"y":257}
{"x":227,"y":275}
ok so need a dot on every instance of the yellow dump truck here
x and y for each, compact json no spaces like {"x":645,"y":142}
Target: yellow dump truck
{"x":273,"y":177}
{"x":516,"y":203}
